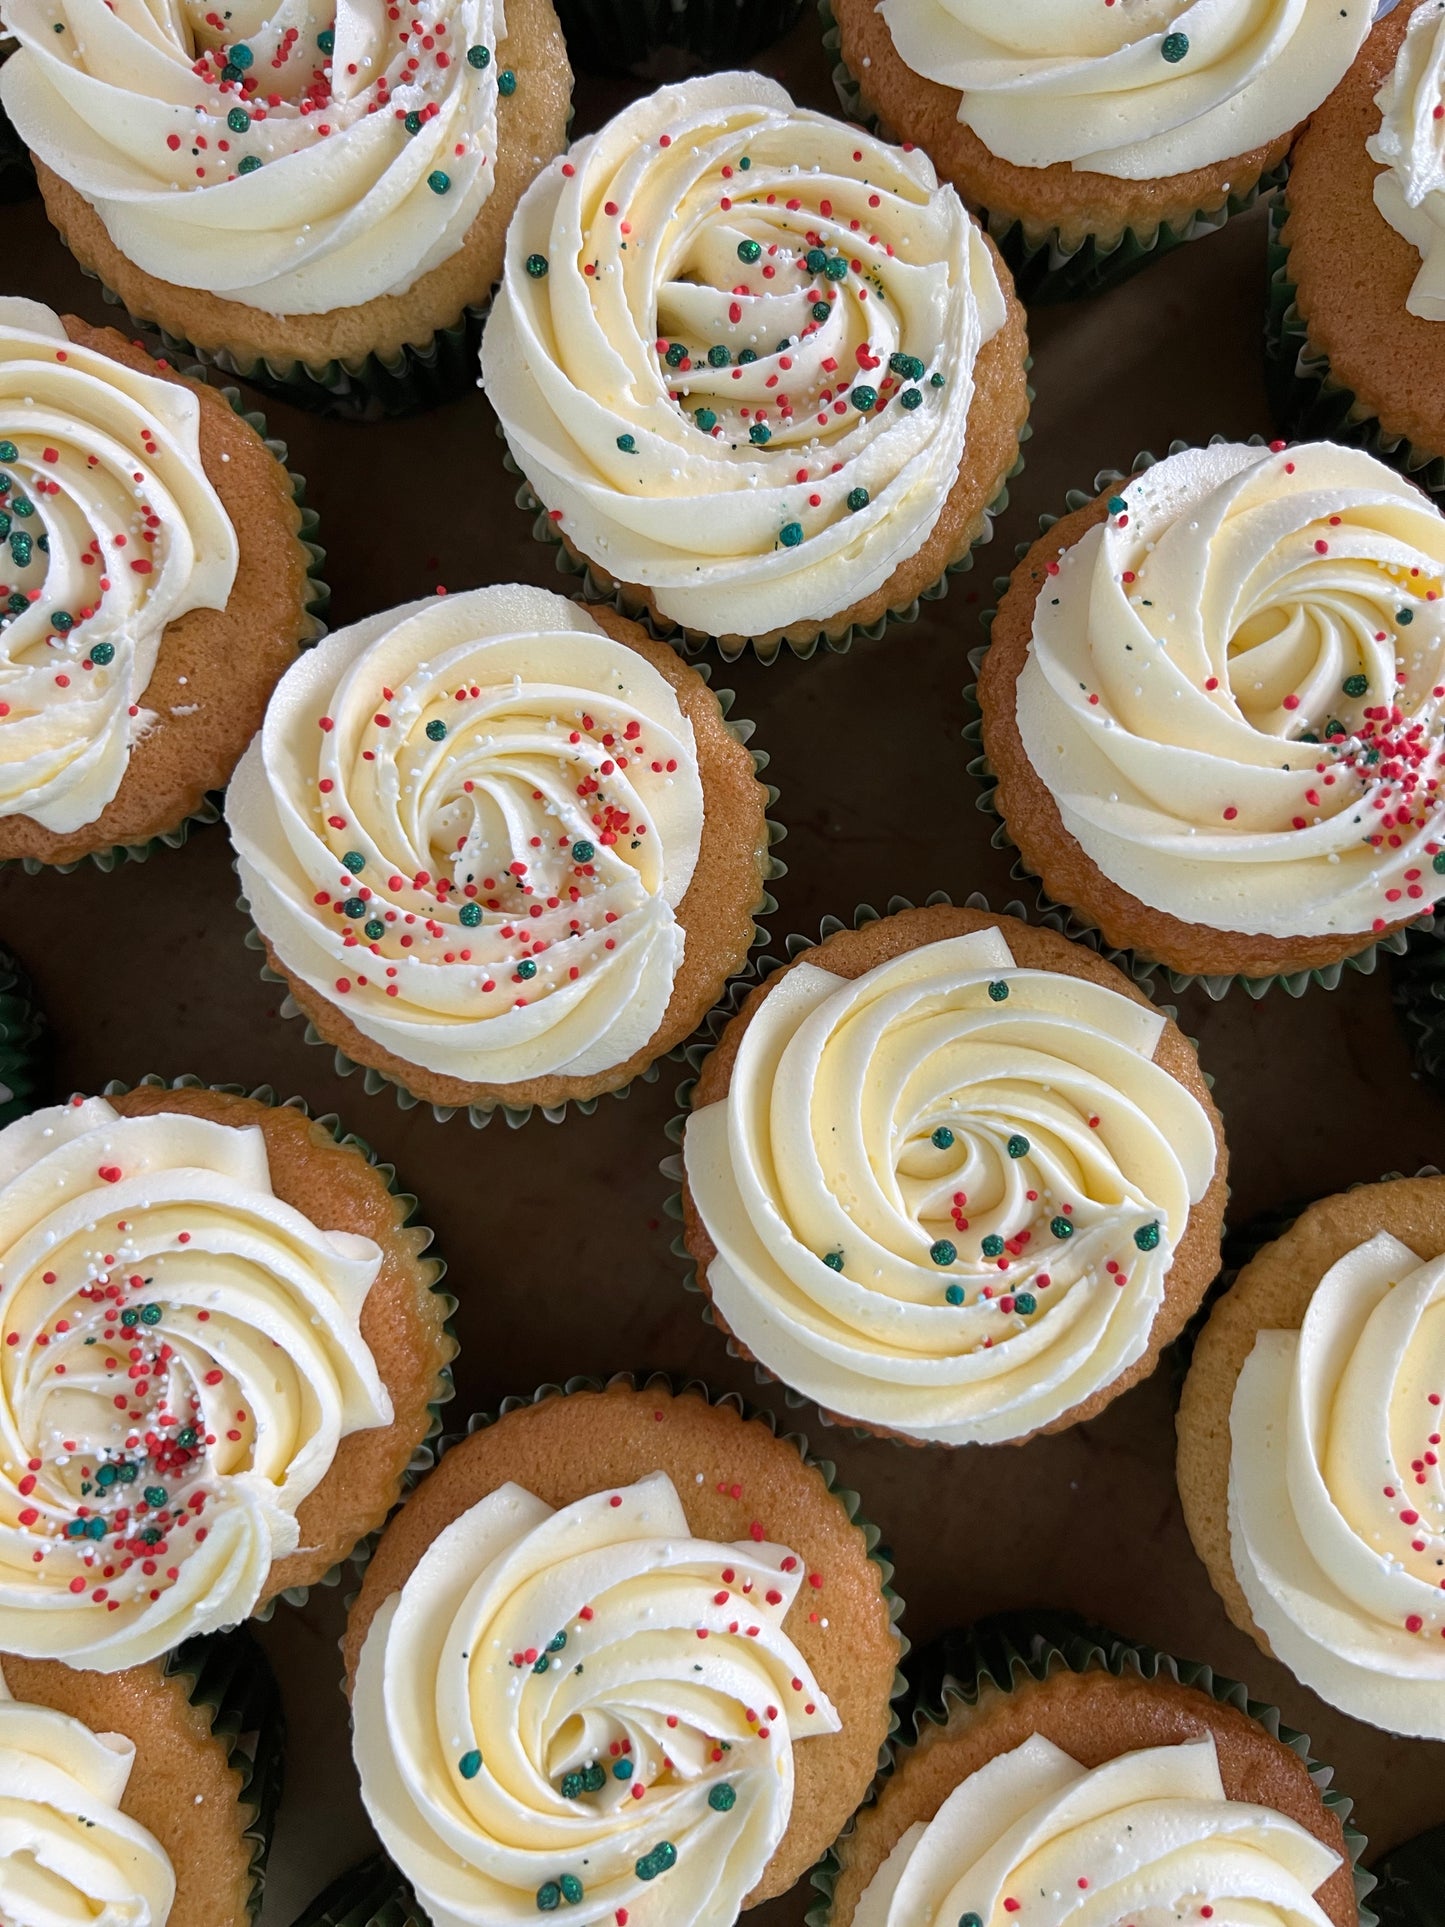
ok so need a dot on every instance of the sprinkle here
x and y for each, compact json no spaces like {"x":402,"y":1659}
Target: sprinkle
{"x":1018,"y":1146}
{"x":438,"y":182}
{"x":1061,"y":1227}
{"x":1147,"y":1237}
{"x":627,"y":443}
{"x":479,"y":57}
{"x":1174,"y":47}
{"x":998,"y":992}
{"x":102,"y":653}
{"x":537,"y":266}
{"x":943,"y":1251}
{"x":436,"y":730}
{"x":760,"y":434}
{"x":470,"y":1765}
{"x":249,"y":164}
{"x":1355,"y":685}
{"x":662,"y":1858}
{"x":863,"y":397}
{"x":723,"y":1797}
{"x":834,"y":1261}
{"x":749,"y":251}
{"x":943,"y":1138}
{"x":790,"y":534}
{"x":506,"y":82}
{"x":857,"y":499}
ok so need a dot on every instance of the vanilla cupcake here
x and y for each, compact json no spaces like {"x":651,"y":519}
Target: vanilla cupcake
{"x":130,"y":1800}
{"x":954,"y":1178}
{"x":1309,"y":1449}
{"x":220,"y":1349}
{"x":623,"y":1654}
{"x":1091,"y":140}
{"x":765,"y":375}
{"x":1212,"y":702}
{"x":313,"y":195}
{"x":504,"y":851}
{"x":154,"y":586}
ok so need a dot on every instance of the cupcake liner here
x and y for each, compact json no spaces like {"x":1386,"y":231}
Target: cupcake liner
{"x":1008,"y":1648}
{"x":318,"y":598}
{"x":1411,"y":1892}
{"x":227,"y":1678}
{"x":1418,"y":982}
{"x":1306,"y":399}
{"x":376,"y":1082}
{"x":621,"y":36}
{"x":1045,"y":269}
{"x":375,"y":1894}
{"x":17,"y":174}
{"x":1134,"y":963}
{"x":690,"y":642}
{"x":426,"y":1452}
{"x":22,"y":1041}
{"x":1049,"y":917}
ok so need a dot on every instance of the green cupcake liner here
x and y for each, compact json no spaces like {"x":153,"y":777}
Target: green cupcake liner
{"x":375,"y":1894}
{"x":318,"y":599}
{"x":23,"y":1042}
{"x":1005,"y":1650}
{"x":376,"y":1082}
{"x":425,"y":1454}
{"x":690,"y":642}
{"x":1045,"y":269}
{"x":1306,"y":399}
{"x":1411,"y":1892}
{"x":1045,"y":916}
{"x":622,"y":36}
{"x":1134,"y":963}
{"x":17,"y":173}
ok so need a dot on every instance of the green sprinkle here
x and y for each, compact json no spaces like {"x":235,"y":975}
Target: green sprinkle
{"x":107,"y":1475}
{"x":479,"y":57}
{"x":436,"y":730}
{"x":1018,"y":1146}
{"x":746,"y":162}
{"x":241,"y":57}
{"x":556,"y":1643}
{"x":150,"y":1314}
{"x":622,"y":1770}
{"x":1174,"y":47}
{"x":1334,"y":729}
{"x":21,"y":549}
{"x":239,"y":121}
{"x":1356,"y":685}
{"x":908,"y":365}
{"x":627,"y":443}
{"x":248,"y":164}
{"x":4,"y":525}
{"x":526,"y":970}
{"x":571,"y":1889}
{"x":790,"y":534}
{"x":992,"y":1246}
{"x":549,"y":1898}
{"x":326,"y":40}
{"x":130,"y":1318}
{"x":354,"y":861}
{"x":676,"y":354}
{"x":1025,"y":1303}
{"x":9,"y":452}
{"x":836,"y":268}
{"x":1061,"y":1227}
{"x":128,"y":1474}
{"x":1147,"y":1237}
{"x":232,"y":72}
{"x":62,"y":620}
{"x":969,"y":1920}
{"x":662,"y":1858}
{"x":936,"y":381}
{"x":1437,"y":863}
{"x":706,"y":420}
{"x":95,"y":1528}
{"x":750,"y":251}
{"x":155,"y":1495}
{"x":17,"y":602}
{"x":354,"y":907}
{"x":723,"y":1797}
{"x":719,"y":356}
{"x":746,"y":356}
{"x":102,"y":653}
{"x":955,"y":1294}
{"x":943,"y":1138}
{"x":998,"y":993}
{"x":187,"y":1437}
{"x":910,"y":398}
{"x":470,"y":1765}
{"x":22,"y":507}
{"x":760,"y":433}
{"x":375,"y":930}
{"x":1117,"y":505}
{"x":470,"y":915}
{"x":816,"y":259}
{"x":537,"y":266}
{"x":943,"y":1251}
{"x":863,"y":397}
{"x":438,"y":182}
{"x":834,"y":1261}
{"x":821,"y":311}
{"x":583,"y":852}
{"x":858,"y":498}
{"x":506,"y":83}
{"x":1404,"y":617}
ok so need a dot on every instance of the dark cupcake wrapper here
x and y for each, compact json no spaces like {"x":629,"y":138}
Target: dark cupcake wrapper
{"x":1411,"y":1892}
{"x":22,"y":1037}
{"x":1418,"y":982}
{"x":425,"y":1454}
{"x":375,"y":1894}
{"x":1045,"y":269}
{"x":1134,"y":963}
{"x":17,"y":172}
{"x":690,"y":642}
{"x":623,"y":36}
{"x":1307,"y":400}
{"x":1008,"y":1649}
{"x":318,"y":599}
{"x":376,"y":1082}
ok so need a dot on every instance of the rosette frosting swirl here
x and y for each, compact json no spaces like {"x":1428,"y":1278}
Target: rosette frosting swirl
{"x":1410,"y":146}
{"x":587,"y":1709}
{"x":180,"y":1354}
{"x":295,"y":155}
{"x":734,"y":352}
{"x":1147,"y":1837}
{"x":109,"y":530}
{"x":471,"y":821}
{"x":1234,"y":691}
{"x":1336,"y":1496}
{"x":945,"y":1195}
{"x":68,"y":1856}
{"x":1139,"y":91}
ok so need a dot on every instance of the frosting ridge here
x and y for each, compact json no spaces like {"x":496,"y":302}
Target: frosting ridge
{"x":1410,"y":145}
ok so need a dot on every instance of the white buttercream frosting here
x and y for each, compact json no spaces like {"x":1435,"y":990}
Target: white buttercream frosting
{"x":470,"y":823}
{"x":945,"y":1195}
{"x":1149,"y":1838}
{"x":1410,"y":146}
{"x":1336,"y":1497}
{"x":69,"y":1857}
{"x":1141,"y":89}
{"x":1234,"y":691}
{"x":298,"y":156}
{"x":743,"y":380}
{"x":587,"y":1710}
{"x":180,"y":1355}
{"x":109,"y":531}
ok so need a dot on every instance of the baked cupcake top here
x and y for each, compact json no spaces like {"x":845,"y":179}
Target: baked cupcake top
{"x":733,"y":352}
{"x":945,"y":1195}
{"x":1410,"y":146}
{"x":109,"y":531}
{"x":180,"y":1354}
{"x":1336,"y":1512}
{"x":297,"y":158}
{"x":1149,"y":1835}
{"x":470,"y":821}
{"x":70,"y":1853}
{"x":587,"y":1709}
{"x":1234,"y":691}
{"x":1139,"y":91}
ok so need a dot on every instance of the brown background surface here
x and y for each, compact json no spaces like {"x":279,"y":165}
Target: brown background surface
{"x":555,"y":1235}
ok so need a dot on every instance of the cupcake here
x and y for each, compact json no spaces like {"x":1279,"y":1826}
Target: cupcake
{"x":624,"y":1653}
{"x":953,"y":1178}
{"x":1092,"y":141}
{"x":219,"y":1351}
{"x":1359,"y":292}
{"x":620,"y":36}
{"x":1267,"y":803}
{"x":153,"y":588}
{"x":313,"y":195}
{"x":141,"y":1799}
{"x":1412,"y":1879}
{"x":765,"y":375}
{"x":1309,"y":1433}
{"x":1087,"y":1772}
{"x":23,"y":1041}
{"x":503,"y":850}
